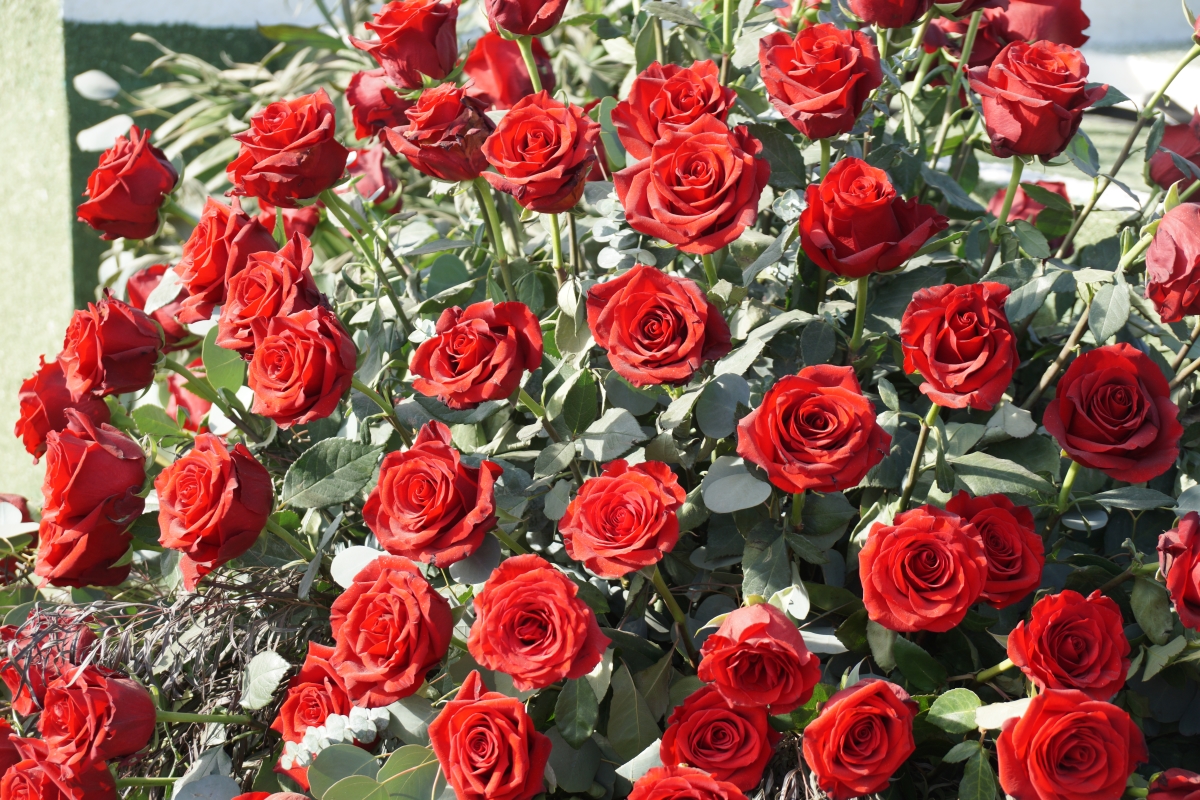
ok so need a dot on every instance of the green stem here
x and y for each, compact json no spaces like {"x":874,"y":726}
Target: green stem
{"x":826,"y":156}
{"x":224,"y":719}
{"x":710,"y":269}
{"x":659,"y":49}
{"x":991,"y":672}
{"x":526,"y":45}
{"x":1061,"y":360}
{"x":1116,"y":581}
{"x":388,"y":409}
{"x":919,"y":34}
{"x":1189,"y":57}
{"x":955,"y":82}
{"x":556,"y":243}
{"x":535,"y":408}
{"x":677,"y":614}
{"x":508,"y":541}
{"x":860,"y":316}
{"x":797,"y":510}
{"x":124,"y":782}
{"x":483,"y":190}
{"x":923,"y":71}
{"x":883,"y":42}
{"x":1064,"y":494}
{"x":726,"y":38}
{"x":301,"y":550}
{"x":370,"y":228}
{"x":914,"y":468}
{"x":334,"y":206}
{"x":1181,"y":356}
{"x":1014,"y":184}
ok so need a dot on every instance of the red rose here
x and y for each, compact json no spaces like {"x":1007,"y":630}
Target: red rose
{"x":302,"y":366}
{"x":1173,"y":264}
{"x":1023,"y":206}
{"x":923,"y":572}
{"x":683,"y":783}
{"x":444,"y":136}
{"x":126,"y":190}
{"x":856,"y":223}
{"x":656,"y":328}
{"x":957,"y":338}
{"x":213,"y":503}
{"x":731,"y":744}
{"x":668,"y":98}
{"x":44,"y":400}
{"x":36,"y":777}
{"x":1015,"y":551}
{"x":8,"y":749}
{"x":110,"y":349}
{"x":289,"y":153}
{"x":890,"y":13}
{"x":1181,"y":140}
{"x":316,"y":692}
{"x":524,"y":17}
{"x":820,"y":80}
{"x":496,"y":73}
{"x":1034,"y":97}
{"x":1112,"y":411}
{"x":487,"y":745}
{"x":301,"y":221}
{"x":542,"y":151}
{"x":1179,"y":562}
{"x":1073,"y":642}
{"x":90,"y":493}
{"x":218,"y":249}
{"x":374,"y":105}
{"x":272,"y":285}
{"x":757,"y":658}
{"x":1058,"y":21}
{"x":390,"y":628}
{"x":992,"y":36}
{"x":93,"y":715}
{"x":624,"y":519}
{"x":861,"y":737}
{"x":416,"y":40}
{"x":139,"y":287}
{"x":194,"y":407}
{"x":1175,"y":784}
{"x":1067,"y":745}
{"x":478,"y":354}
{"x":531,"y":625}
{"x":376,"y":183}
{"x":36,"y":654}
{"x":814,"y":430}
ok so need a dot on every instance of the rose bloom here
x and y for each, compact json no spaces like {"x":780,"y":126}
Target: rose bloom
{"x":820,"y":80}
{"x":861,"y":737}
{"x":992,"y":36}
{"x":390,"y":627}
{"x":496,"y":73}
{"x":1179,"y":562}
{"x":313,"y":694}
{"x":1016,"y":553}
{"x":444,"y":134}
{"x":699,"y":187}
{"x":140,"y":286}
{"x":1175,"y":784}
{"x":542,"y":152}
{"x":38,"y":652}
{"x":814,"y":430}
{"x":624,"y":519}
{"x":44,"y":400}
{"x":530,"y":624}
{"x":656,"y":328}
{"x":668,"y":98}
{"x":923,"y":572}
{"x":374,"y":105}
{"x":109,"y":348}
{"x":128,"y":187}
{"x":1073,"y":642}
{"x":1034,"y":97}
{"x":194,"y":407}
{"x":1026,"y":208}
{"x":1112,"y":411}
{"x":376,"y":184}
{"x":1181,"y":140}
{"x":890,"y":13}
{"x":213,"y":503}
{"x":524,"y":17}
{"x":1173,"y":264}
{"x":289,"y":153}
{"x":731,"y":744}
{"x":93,"y":715}
{"x":90,"y":496}
{"x":272,"y":285}
{"x":1067,"y":745}
{"x":216,"y":250}
{"x":958,"y":339}
{"x":303,"y":365}
{"x":301,"y":221}
{"x":757,"y":658}
{"x":683,"y":783}
{"x":416,"y":39}
{"x":478,"y":354}
{"x":428,"y":505}
{"x":856,"y":223}
{"x":8,"y":750}
{"x":36,"y":777}
{"x":1058,"y":21}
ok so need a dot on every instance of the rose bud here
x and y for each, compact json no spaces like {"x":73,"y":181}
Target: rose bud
{"x":110,"y":348}
{"x":814,"y":430}
{"x":272,"y":285}
{"x":417,"y":39}
{"x":668,"y":98}
{"x":36,"y":777}
{"x":94,"y":715}
{"x":444,"y":135}
{"x":1179,"y":562}
{"x":625,"y":519}
{"x":757,"y":658}
{"x":1034,"y":97}
{"x":8,"y":749}
{"x":301,"y":221}
{"x":683,"y":783}
{"x":315,"y":692}
{"x":213,"y":503}
{"x":1064,"y":741}
{"x":487,"y":745}
{"x":1016,"y":553}
{"x":890,"y":13}
{"x":128,"y":187}
{"x":496,"y":73}
{"x":374,"y":105}
{"x":428,"y":505}
{"x":302,"y":366}
{"x":222,"y":241}
{"x":1025,"y":207}
{"x":543,"y":152}
{"x":530,"y":624}
{"x":44,"y":400}
{"x":1175,"y":784}
{"x":289,"y":153}
{"x":992,"y":36}
{"x":1173,"y":264}
{"x":1073,"y":642}
{"x":656,"y":328}
{"x":194,"y":407}
{"x":820,"y":80}
{"x":731,"y":744}
{"x":36,"y":654}
{"x":390,"y":628}
{"x":478,"y":354}
{"x":524,"y":17}
{"x":376,"y":183}
{"x":957,"y":338}
{"x":1178,"y":140}
{"x":861,"y":737}
{"x":856,"y":223}
{"x":139,"y":288}
{"x":1112,"y":411}
{"x":1058,"y":21}
{"x":923,"y":572}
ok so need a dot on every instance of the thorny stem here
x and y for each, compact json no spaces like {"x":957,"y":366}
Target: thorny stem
{"x":677,"y":614}
{"x":826,"y":154}
{"x":914,"y":469}
{"x":483,"y":190}
{"x":388,"y":409}
{"x":955,"y":82}
{"x":291,"y":541}
{"x":526,"y":45}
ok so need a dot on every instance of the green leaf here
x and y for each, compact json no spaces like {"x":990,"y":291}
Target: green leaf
{"x":950,"y":189}
{"x":582,"y":403}
{"x":443,"y":413}
{"x":1112,"y":97}
{"x":337,"y":762}
{"x":1154,"y":140}
{"x":979,"y":781}
{"x":411,"y":773}
{"x":1109,"y":311}
{"x":1084,"y":155}
{"x":818,"y":343}
{"x":1033,"y":241}
{"x":575,"y":712}
{"x":655,"y":685}
{"x":985,"y":474}
{"x":1134,"y":498}
{"x":673,"y":13}
{"x":1152,"y":609}
{"x":614,"y":151}
{"x":1047,"y":198}
{"x":354,"y":787}
{"x":1159,"y":655}
{"x":961,"y":752}
{"x":631,"y":726}
{"x":787,"y":163}
{"x":882,"y":642}
{"x":574,"y":767}
{"x":921,"y":670}
{"x":832,"y":598}
{"x":716,"y":410}
{"x":729,"y":486}
{"x":453,"y":296}
{"x":611,"y":436}
{"x":765,"y":566}
{"x":305,"y":37}
{"x":887,"y":393}
{"x":622,"y":394}
{"x":156,"y":423}
{"x":826,"y":515}
{"x":954,"y":711}
{"x":554,"y":459}
{"x":1027,"y":298}
{"x":263,"y":676}
{"x":328,"y":473}
{"x":224,"y":369}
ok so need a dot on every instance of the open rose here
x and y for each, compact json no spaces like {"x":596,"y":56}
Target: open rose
{"x":889,"y":13}
{"x":94,"y":715}
{"x":683,"y":783}
{"x":315,"y":692}
{"x":1015,"y":551}
{"x":992,"y":36}
{"x":1173,"y":264}
{"x":667,"y":98}
{"x":731,"y":744}
{"x":1181,"y":140}
{"x":44,"y":400}
{"x":110,"y":348}
{"x":273,"y":284}
{"x":303,"y":365}
{"x":34,"y":655}
{"x":416,"y":40}
{"x":496,"y":73}
{"x":444,"y":134}
{"x":1058,"y":21}
{"x":1179,"y":561}
{"x":8,"y":750}
{"x":36,"y":777}
{"x":140,"y":286}
{"x":524,"y":17}
{"x":128,"y":187}
{"x":374,"y":105}
{"x":1175,"y":784}
{"x":217,"y":249}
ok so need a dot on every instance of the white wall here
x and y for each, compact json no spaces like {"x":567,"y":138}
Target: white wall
{"x":205,"y":13}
